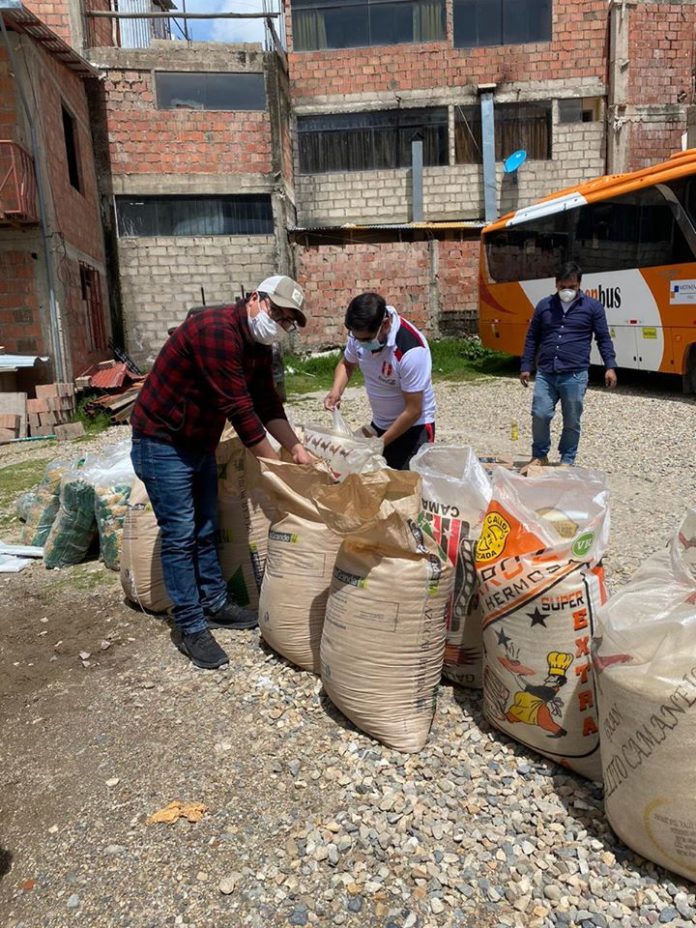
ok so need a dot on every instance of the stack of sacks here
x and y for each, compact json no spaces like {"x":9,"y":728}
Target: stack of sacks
{"x":540,"y":585}
{"x":384,"y":635}
{"x":244,"y":516}
{"x":645,"y":660}
{"x":455,"y":494}
{"x":299,"y":564}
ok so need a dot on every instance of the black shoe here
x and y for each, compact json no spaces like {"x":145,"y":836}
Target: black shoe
{"x":203,"y":650}
{"x":234,"y":617}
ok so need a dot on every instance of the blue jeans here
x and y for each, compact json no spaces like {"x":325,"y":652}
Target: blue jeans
{"x":570,"y":389}
{"x":182,"y":486}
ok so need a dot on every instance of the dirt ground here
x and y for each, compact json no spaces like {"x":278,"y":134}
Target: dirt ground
{"x":103,"y":722}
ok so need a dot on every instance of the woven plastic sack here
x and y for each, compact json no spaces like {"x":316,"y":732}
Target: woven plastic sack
{"x":384,"y":635}
{"x":344,"y":451}
{"x":645,"y":661}
{"x":244,"y":515}
{"x":44,"y":508}
{"x":74,"y":528}
{"x":142,"y":577}
{"x":455,"y":494}
{"x":538,"y":561}
{"x":301,"y":556}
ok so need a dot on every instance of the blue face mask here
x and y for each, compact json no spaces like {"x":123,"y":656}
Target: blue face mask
{"x":373,"y":345}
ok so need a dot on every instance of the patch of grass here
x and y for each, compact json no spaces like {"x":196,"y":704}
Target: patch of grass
{"x":85,"y":577}
{"x":17,"y":478}
{"x":94,"y":425}
{"x":454,"y":359}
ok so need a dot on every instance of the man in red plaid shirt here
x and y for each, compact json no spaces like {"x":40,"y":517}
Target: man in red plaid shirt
{"x":216,"y":366}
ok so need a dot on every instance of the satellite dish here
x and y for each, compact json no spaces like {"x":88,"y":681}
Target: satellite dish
{"x":514,"y":161}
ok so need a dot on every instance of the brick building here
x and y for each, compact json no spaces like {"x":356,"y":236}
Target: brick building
{"x":220,"y":163}
{"x":52,"y":267}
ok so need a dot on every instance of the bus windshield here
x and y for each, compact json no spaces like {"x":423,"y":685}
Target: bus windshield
{"x":645,"y":228}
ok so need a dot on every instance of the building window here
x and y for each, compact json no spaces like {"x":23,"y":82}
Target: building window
{"x":501,"y":22}
{"x":579,"y":109}
{"x":371,"y":141}
{"x":319,"y":24}
{"x":517,"y":125}
{"x":189,"y":215}
{"x":72,"y":151}
{"x":193,"y":90}
{"x":90,"y":286}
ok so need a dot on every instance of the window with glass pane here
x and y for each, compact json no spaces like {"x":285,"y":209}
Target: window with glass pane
{"x":517,"y":126}
{"x":323,"y":24}
{"x":167,"y":216}
{"x":194,"y":90}
{"x":371,"y":141}
{"x":501,"y":22}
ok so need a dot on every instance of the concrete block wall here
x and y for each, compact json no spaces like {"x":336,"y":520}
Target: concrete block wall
{"x":161,"y":280}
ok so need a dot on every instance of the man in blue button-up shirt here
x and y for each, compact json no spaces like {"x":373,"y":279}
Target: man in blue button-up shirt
{"x":560,"y":338}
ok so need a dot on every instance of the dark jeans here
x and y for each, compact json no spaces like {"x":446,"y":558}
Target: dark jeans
{"x":399,"y":452}
{"x":182,"y":486}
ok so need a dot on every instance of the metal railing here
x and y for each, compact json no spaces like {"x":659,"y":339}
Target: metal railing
{"x":17,"y":184}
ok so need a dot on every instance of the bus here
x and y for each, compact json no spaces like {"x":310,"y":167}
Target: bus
{"x":633,"y":235}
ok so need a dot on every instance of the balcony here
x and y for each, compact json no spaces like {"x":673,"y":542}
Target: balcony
{"x":17,"y":184}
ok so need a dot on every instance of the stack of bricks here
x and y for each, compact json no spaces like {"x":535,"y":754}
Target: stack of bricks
{"x":54,"y":405}
{"x":9,"y":426}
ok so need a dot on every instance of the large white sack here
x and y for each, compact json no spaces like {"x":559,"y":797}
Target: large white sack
{"x":299,"y":563}
{"x":384,"y":634}
{"x":455,"y":494}
{"x":645,"y":658}
{"x":541,"y":582}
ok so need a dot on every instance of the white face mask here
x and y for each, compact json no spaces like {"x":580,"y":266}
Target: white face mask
{"x":265,"y":330}
{"x":567,"y":295}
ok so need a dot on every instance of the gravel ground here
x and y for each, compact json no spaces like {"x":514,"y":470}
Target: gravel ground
{"x":308,"y":821}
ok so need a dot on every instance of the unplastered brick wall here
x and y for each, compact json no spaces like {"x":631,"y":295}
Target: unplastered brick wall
{"x":577,"y":50}
{"x":654,"y":135}
{"x":661,"y":44}
{"x":146,"y":140}
{"x":161,"y":279}
{"x":56,"y":15}
{"x":8,"y":99}
{"x":20,"y":322}
{"x":76,"y":212}
{"x":423,"y":280}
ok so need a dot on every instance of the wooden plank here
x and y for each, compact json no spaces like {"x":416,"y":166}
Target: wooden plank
{"x":16,"y":403}
{"x":66,"y":432}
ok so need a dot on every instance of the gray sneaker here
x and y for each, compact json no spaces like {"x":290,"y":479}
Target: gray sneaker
{"x":234,"y":617}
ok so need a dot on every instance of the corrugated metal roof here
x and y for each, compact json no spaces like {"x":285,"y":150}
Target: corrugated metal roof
{"x":23,"y":20}
{"x":12,"y":362}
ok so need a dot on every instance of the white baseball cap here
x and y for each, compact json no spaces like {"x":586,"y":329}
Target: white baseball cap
{"x":285,"y":292}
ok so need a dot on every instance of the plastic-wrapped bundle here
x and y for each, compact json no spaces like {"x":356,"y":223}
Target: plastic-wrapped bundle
{"x":44,"y":508}
{"x":110,"y":508}
{"x":24,"y":503}
{"x":75,"y":527}
{"x":345,"y":452}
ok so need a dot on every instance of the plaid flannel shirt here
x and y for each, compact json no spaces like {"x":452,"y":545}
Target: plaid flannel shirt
{"x":210,"y":369}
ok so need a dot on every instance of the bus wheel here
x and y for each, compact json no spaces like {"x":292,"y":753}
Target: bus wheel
{"x":689,"y":376}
